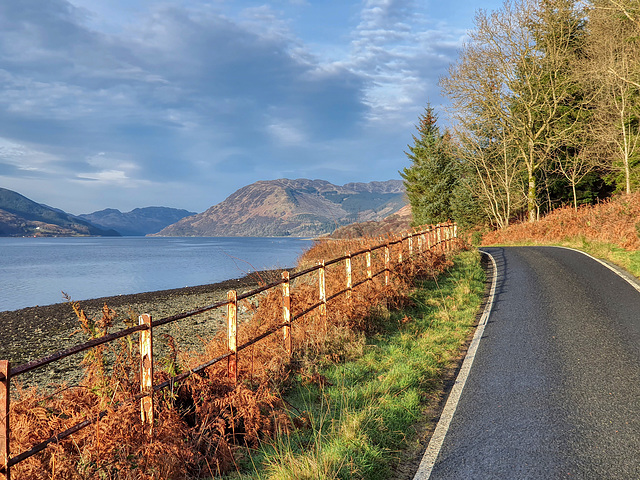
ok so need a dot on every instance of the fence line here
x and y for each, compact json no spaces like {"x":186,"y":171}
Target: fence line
{"x":437,"y":237}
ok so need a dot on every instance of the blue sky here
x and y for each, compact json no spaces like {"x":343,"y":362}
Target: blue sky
{"x":133,"y":103}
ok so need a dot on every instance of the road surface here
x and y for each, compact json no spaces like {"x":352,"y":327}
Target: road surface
{"x":554,"y":388}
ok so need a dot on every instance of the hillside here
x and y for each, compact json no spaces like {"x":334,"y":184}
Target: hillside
{"x":20,"y":216}
{"x":139,"y":221}
{"x":401,"y":220}
{"x":293,"y":207}
{"x":616,"y":221}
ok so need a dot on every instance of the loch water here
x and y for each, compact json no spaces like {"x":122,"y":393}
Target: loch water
{"x":35,"y":271}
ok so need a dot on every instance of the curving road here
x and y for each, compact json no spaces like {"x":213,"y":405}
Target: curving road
{"x":554,"y":388}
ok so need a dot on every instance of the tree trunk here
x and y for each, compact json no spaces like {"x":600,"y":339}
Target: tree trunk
{"x":627,"y":171}
{"x":531,"y":198}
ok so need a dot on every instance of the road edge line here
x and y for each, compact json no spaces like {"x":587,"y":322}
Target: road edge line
{"x":621,"y":272}
{"x":437,"y":439}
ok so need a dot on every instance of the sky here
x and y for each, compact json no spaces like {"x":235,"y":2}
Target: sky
{"x":134,"y":103}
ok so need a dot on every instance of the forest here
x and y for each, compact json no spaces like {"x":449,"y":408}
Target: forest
{"x":545,"y":113}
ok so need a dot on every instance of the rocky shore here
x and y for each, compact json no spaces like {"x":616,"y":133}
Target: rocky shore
{"x":35,"y":332}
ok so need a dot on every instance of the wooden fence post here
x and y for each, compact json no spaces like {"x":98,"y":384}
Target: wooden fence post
{"x":445,"y":234}
{"x":445,"y":238}
{"x":286,"y":313}
{"x":410,"y":245}
{"x":347,"y":264}
{"x":400,"y":252}
{"x":439,"y":237}
{"x":386,"y":264}
{"x":146,"y":377}
{"x":5,"y":398}
{"x":369,"y":272}
{"x":322,"y":287}
{"x":232,"y":335}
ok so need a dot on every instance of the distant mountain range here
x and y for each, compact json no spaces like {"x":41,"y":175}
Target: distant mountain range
{"x":267,"y":208}
{"x":22,"y":217}
{"x":293,"y":207}
{"x":139,"y":221}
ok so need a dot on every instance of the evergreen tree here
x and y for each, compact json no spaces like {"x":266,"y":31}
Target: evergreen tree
{"x":430,"y":180}
{"x":466,"y":209}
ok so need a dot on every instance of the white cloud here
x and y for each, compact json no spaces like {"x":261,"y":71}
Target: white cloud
{"x":103,"y":160}
{"x":286,"y":132}
{"x":107,"y":176}
{"x":27,"y":159}
{"x":402,"y":52}
{"x":111,"y":170}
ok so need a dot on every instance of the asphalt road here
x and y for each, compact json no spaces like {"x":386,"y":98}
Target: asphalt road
{"x":554,"y":389}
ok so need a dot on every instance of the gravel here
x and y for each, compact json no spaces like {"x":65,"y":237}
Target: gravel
{"x":34,"y":332}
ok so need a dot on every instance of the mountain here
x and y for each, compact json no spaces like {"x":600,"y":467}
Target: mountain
{"x":399,"y":221}
{"x":20,"y":216}
{"x":139,"y":221}
{"x":293,"y":207}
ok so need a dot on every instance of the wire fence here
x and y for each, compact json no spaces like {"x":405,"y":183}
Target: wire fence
{"x":433,"y":238}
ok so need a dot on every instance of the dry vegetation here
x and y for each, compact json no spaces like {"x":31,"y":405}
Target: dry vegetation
{"x":202,"y":423}
{"x":616,"y":221}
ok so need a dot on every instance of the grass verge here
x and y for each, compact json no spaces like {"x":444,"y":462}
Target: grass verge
{"x":361,"y":411}
{"x":627,"y":259}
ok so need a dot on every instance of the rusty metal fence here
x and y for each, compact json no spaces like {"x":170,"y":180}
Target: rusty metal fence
{"x":438,"y":238}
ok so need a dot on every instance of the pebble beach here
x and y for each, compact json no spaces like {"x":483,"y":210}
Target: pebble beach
{"x":34,"y":332}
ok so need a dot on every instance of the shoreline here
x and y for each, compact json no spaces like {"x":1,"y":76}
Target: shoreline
{"x":34,"y":332}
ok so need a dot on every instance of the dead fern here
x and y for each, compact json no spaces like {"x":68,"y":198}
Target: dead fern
{"x":203,"y":423}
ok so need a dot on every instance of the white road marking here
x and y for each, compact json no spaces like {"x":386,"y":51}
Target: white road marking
{"x":435,"y":444}
{"x":631,"y":280}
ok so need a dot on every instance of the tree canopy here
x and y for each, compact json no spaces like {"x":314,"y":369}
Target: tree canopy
{"x":545,"y":103}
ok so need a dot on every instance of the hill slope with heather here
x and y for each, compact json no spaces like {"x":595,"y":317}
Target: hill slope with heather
{"x":616,"y":221}
{"x":401,"y":220}
{"x":293,"y":207}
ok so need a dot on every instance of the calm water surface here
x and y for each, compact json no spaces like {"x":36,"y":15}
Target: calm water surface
{"x":34,"y":271}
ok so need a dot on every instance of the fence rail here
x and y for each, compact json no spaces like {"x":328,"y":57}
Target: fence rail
{"x":436,"y":238}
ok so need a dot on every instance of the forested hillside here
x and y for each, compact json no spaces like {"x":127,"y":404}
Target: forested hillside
{"x":545,"y":113}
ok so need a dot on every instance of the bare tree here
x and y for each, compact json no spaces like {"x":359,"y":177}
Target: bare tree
{"x":614,"y":66}
{"x":496,"y":186}
{"x":575,"y":168}
{"x":515,"y":72}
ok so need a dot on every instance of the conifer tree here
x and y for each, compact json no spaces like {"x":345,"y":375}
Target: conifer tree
{"x":430,"y":180}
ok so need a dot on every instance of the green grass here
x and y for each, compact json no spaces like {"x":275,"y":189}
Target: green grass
{"x":362,"y":418}
{"x":629,"y":260}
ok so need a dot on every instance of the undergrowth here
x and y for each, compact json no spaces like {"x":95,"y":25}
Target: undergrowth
{"x":615,"y":221}
{"x":205,"y":425}
{"x":361,"y":410}
{"x":609,"y":230}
